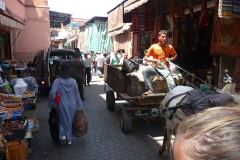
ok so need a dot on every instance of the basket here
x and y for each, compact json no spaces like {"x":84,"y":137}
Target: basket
{"x":17,"y":134}
{"x":29,"y":104}
{"x":15,"y":150}
{"x":28,"y":95}
{"x":11,"y":104}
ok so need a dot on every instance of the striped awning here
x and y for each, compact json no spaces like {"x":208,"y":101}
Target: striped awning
{"x":5,"y":21}
{"x":132,"y":4}
{"x":119,"y":30}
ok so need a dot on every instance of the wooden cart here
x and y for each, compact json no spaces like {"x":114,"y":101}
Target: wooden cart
{"x":127,"y":90}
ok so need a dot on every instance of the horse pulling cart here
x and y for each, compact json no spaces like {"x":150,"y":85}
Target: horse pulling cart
{"x":130,"y":88}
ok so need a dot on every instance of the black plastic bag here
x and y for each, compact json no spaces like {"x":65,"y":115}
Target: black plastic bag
{"x":129,"y":65}
{"x":53,"y":123}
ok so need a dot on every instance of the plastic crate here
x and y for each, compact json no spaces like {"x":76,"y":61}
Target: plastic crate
{"x":3,"y":114}
{"x":29,"y":104}
{"x":15,"y":150}
{"x":17,"y":134}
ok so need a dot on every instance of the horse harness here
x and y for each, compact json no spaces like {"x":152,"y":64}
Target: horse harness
{"x":191,"y":102}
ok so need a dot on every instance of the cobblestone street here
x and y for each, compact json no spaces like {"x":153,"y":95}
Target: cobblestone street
{"x":104,"y":140}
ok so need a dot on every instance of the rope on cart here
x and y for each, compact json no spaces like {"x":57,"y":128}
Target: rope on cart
{"x":192,"y":75}
{"x":151,"y":115}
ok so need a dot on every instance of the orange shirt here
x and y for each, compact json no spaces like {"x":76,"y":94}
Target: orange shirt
{"x":161,"y":53}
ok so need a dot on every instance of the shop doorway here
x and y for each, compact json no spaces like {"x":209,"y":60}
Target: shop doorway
{"x":193,"y":45}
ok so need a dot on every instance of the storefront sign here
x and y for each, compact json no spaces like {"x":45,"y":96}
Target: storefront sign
{"x":2,"y":6}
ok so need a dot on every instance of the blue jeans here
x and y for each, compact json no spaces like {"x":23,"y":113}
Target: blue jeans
{"x":99,"y":71}
{"x":148,"y":71}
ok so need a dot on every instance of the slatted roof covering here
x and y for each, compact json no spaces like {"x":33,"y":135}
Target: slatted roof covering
{"x":56,"y":18}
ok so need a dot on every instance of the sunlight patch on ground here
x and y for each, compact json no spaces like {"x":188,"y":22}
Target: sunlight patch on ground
{"x":103,"y":96}
{"x":159,"y":139}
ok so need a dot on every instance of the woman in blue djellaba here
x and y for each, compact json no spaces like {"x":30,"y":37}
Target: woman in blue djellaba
{"x":70,"y":102}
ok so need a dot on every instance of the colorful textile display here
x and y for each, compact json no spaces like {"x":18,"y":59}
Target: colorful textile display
{"x":236,"y":8}
{"x":135,"y":21}
{"x":226,"y":36}
{"x":225,"y":8}
{"x":203,"y":19}
{"x":180,"y":11}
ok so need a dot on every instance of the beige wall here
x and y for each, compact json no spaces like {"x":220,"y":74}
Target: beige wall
{"x":37,"y":31}
{"x":123,"y":41}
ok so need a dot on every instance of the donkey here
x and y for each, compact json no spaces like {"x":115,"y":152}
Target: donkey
{"x":174,"y":115}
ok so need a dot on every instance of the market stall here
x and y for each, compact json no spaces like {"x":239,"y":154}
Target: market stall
{"x":17,"y":116}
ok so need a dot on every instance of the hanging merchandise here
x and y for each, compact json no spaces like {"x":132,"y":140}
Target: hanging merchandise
{"x":226,"y":36}
{"x":236,"y":8}
{"x":141,"y":20}
{"x":190,"y":8}
{"x":148,"y":17}
{"x":203,"y":19}
{"x":135,"y":21}
{"x":225,"y":9}
{"x":172,"y":12}
{"x":180,"y":11}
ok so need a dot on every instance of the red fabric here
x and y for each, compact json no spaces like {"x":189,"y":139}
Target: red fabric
{"x":172,"y":11}
{"x":235,"y":29}
{"x":135,"y":21}
{"x":215,"y":48}
{"x":217,"y":29}
{"x":148,"y":17}
{"x":234,"y":50}
{"x":203,"y":15}
{"x":180,"y":11}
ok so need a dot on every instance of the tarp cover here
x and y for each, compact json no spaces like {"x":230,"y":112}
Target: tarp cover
{"x":115,"y":19}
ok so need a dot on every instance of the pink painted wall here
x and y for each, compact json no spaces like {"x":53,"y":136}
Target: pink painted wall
{"x":16,"y":7}
{"x":37,"y":31}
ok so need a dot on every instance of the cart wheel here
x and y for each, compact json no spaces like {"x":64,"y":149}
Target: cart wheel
{"x":110,"y":100}
{"x":125,"y":121}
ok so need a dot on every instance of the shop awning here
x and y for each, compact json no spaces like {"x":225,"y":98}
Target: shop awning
{"x":70,"y":40}
{"x":132,"y":4}
{"x":5,"y":21}
{"x":119,"y":30}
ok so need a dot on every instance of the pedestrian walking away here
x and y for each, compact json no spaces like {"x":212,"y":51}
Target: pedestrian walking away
{"x":69,"y":104}
{"x":87,"y":64}
{"x":78,"y":73}
{"x":159,"y":52}
{"x":92,"y":57}
{"x":100,"y":60}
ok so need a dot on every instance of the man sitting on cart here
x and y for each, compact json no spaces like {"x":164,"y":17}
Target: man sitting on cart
{"x":160,"y":53}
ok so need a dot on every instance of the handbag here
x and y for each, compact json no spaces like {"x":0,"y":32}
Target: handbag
{"x":80,"y":124}
{"x":129,"y":66}
{"x":57,"y":97}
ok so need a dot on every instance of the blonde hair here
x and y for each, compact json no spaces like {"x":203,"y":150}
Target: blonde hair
{"x":213,"y":134}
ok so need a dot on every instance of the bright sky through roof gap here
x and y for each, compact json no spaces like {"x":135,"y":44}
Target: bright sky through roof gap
{"x":83,"y":8}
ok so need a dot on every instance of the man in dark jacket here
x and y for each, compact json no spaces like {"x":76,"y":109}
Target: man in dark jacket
{"x":78,"y":73}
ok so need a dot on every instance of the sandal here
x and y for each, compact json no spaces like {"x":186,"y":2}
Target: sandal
{"x":148,"y":92}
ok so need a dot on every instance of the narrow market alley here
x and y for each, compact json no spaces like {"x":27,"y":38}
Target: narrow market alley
{"x":104,"y":140}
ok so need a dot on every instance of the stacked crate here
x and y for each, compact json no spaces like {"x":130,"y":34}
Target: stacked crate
{"x":16,"y":150}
